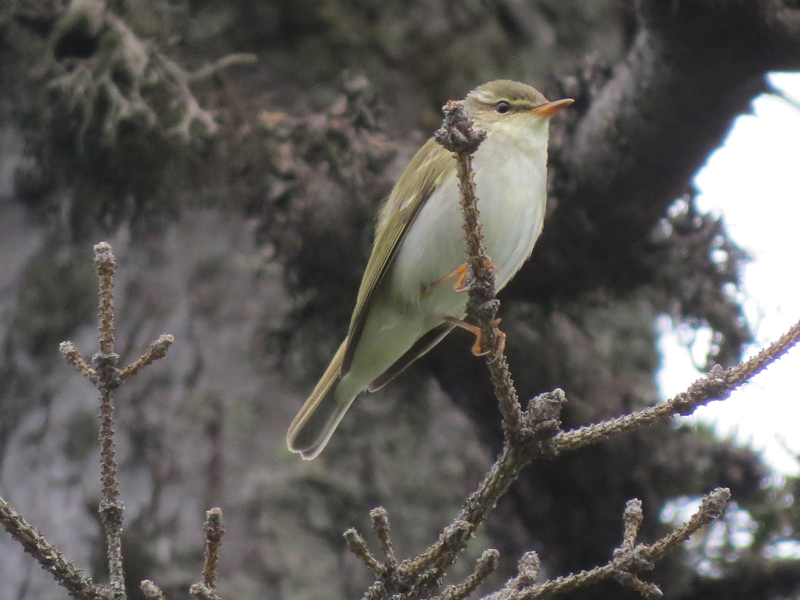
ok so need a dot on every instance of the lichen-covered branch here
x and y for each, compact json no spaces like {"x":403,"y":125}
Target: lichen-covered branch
{"x":127,"y":79}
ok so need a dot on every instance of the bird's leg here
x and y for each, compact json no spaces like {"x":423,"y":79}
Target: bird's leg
{"x":460,"y":275}
{"x":477,"y":348}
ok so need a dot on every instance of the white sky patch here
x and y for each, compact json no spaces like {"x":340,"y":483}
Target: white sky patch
{"x":753,"y":180}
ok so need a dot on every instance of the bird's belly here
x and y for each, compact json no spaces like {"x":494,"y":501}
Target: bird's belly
{"x":511,"y":214}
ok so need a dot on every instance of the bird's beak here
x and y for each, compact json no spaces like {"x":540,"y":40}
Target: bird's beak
{"x":551,"y":108}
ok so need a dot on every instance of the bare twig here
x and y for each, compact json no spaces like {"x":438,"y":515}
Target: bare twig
{"x":527,"y":571}
{"x":711,"y":508}
{"x":107,"y":378}
{"x":458,"y":136}
{"x":380,"y":523}
{"x":223,"y":63}
{"x":74,"y":358}
{"x":632,"y":519}
{"x":203,"y":592}
{"x":157,"y":350}
{"x":214,"y":531}
{"x":358,"y":546}
{"x":48,"y":556}
{"x":111,"y":507}
{"x":106,"y":265}
{"x":628,"y":559}
{"x":151,"y":591}
{"x":487,"y":564}
{"x":205,"y":589}
{"x":717,"y":385}
{"x":518,"y":451}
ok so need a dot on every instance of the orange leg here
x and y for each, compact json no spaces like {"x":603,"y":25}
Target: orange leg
{"x":477,"y":348}
{"x":460,"y":275}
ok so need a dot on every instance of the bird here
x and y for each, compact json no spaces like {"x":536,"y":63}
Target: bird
{"x":409,"y":299}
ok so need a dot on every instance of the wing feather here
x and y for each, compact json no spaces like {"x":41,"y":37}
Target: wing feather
{"x":429,"y":167}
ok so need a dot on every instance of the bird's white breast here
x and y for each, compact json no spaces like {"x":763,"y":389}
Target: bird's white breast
{"x":511,"y":181}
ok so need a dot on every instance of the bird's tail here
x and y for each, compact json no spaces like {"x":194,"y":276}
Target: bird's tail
{"x":319,"y":417}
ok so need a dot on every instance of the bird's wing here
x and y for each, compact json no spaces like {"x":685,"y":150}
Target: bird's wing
{"x":424,"y":345}
{"x":429,"y":167}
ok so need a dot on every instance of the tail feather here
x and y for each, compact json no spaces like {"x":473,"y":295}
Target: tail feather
{"x":314,"y":425}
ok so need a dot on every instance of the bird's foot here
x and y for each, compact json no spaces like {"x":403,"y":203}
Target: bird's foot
{"x":477,"y":348}
{"x":461,"y":275}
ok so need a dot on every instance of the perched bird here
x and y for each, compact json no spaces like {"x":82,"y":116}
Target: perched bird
{"x":407,"y":301}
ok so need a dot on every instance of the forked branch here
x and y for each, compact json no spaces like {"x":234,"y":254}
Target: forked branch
{"x":107,"y":377}
{"x":629,"y":559}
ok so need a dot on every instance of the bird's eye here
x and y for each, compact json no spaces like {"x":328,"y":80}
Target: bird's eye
{"x":502,"y":107}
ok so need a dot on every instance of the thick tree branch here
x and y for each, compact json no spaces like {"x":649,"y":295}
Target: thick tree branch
{"x":641,"y":131}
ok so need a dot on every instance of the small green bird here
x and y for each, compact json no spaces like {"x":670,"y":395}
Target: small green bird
{"x":404,"y":305}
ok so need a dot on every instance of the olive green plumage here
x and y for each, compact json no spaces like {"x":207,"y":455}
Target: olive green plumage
{"x":405,"y":294}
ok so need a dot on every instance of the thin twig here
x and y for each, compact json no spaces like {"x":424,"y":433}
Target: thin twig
{"x":74,"y":358}
{"x":514,"y":457}
{"x":458,"y":136}
{"x":627,"y":561}
{"x":717,"y":385}
{"x":711,"y":508}
{"x":203,"y":592}
{"x":225,"y":62}
{"x":157,"y":350}
{"x":106,"y":266}
{"x":48,"y":556}
{"x":214,"y":531}
{"x":380,"y":523}
{"x":151,"y":591}
{"x":358,"y":546}
{"x":487,"y":564}
{"x":111,"y":507}
{"x":632,"y":520}
{"x":527,"y":571}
